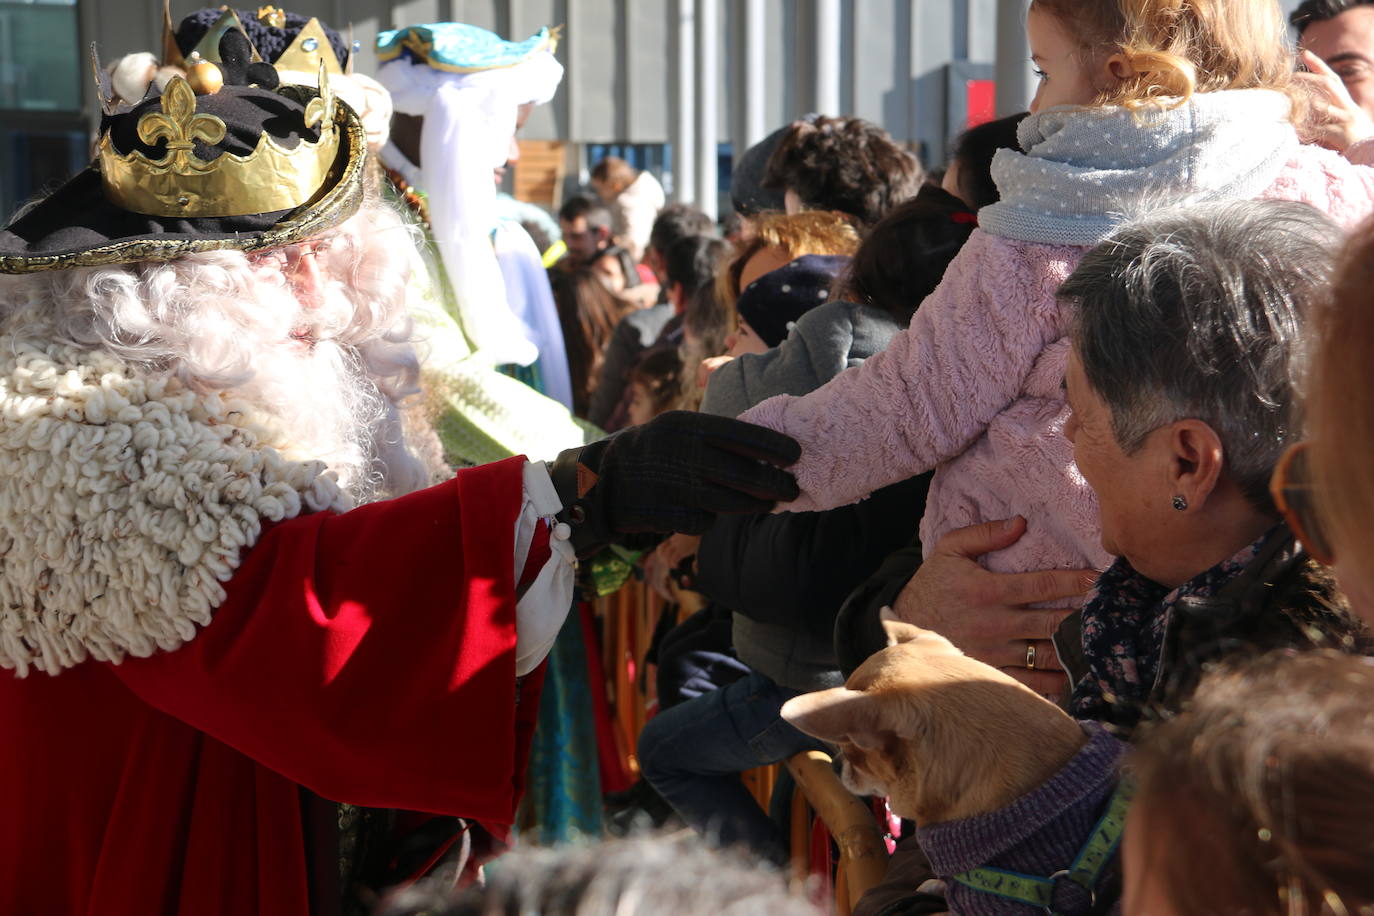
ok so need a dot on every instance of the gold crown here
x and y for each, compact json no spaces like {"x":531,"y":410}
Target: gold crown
{"x":310,"y":48}
{"x":181,"y":184}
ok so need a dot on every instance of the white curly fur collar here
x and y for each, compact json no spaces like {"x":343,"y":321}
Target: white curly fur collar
{"x":125,"y":502}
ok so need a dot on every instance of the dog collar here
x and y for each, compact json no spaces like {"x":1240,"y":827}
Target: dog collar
{"x":1085,"y":871}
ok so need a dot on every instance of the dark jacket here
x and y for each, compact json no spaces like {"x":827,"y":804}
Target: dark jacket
{"x":786,"y":575}
{"x":858,"y":632}
{"x":636,"y":333}
{"x":823,"y":343}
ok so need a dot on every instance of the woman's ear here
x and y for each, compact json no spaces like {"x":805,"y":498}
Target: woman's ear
{"x":1196,"y":461}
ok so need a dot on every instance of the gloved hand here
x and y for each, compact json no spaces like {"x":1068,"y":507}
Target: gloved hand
{"x":674,"y":473}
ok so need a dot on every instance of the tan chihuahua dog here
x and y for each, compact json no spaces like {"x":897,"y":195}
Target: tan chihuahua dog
{"x":943,"y":736}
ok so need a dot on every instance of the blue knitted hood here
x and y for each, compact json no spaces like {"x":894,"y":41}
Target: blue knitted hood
{"x":1085,"y":171}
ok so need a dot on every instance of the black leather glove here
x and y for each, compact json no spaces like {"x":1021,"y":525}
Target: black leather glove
{"x":674,"y":473}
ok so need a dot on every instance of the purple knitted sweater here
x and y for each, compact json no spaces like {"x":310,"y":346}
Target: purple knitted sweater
{"x":1038,"y":834}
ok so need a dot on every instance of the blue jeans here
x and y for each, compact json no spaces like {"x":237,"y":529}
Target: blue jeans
{"x":693,"y":753}
{"x":696,"y":657}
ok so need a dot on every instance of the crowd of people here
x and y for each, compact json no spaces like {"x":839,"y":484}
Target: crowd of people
{"x":1033,"y":488}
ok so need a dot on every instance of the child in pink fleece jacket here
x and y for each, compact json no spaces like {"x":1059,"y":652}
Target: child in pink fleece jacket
{"x":973,"y":387}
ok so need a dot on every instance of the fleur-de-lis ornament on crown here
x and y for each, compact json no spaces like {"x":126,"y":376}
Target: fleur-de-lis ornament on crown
{"x":321,"y":108}
{"x":181,"y":126}
{"x":269,"y":178}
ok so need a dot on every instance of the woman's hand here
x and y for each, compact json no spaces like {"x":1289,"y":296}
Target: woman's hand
{"x":986,"y":614}
{"x":1335,"y":120}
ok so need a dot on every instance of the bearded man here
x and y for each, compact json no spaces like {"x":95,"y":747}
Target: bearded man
{"x":225,"y":594}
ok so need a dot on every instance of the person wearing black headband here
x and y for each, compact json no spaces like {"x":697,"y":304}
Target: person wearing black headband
{"x":228,"y":593}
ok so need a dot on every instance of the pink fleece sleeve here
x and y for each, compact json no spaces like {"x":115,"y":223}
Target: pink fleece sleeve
{"x":1342,"y":187}
{"x":936,"y":387}
{"x":1361,"y":153}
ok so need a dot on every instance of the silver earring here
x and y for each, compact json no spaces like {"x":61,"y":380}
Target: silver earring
{"x":1180,"y":502}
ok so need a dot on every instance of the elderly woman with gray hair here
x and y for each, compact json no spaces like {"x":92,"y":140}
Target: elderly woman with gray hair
{"x":1184,"y":382}
{"x":1185,"y":386}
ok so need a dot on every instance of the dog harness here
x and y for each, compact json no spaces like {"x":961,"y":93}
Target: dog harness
{"x":1085,"y":871}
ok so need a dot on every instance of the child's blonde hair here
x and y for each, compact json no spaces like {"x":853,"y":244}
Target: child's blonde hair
{"x":1179,"y":47}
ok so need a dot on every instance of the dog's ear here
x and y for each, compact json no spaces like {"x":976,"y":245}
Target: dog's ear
{"x":841,"y":714}
{"x":824,"y":714}
{"x":899,"y":631}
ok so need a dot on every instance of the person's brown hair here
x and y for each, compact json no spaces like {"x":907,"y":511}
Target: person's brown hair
{"x":1179,"y":47}
{"x":845,"y":164}
{"x":659,"y":373}
{"x":615,"y":172}
{"x":904,"y":257}
{"x":1340,"y":407}
{"x":588,"y":313}
{"x":1259,"y":797}
{"x":1310,"y":12}
{"x":794,"y":234}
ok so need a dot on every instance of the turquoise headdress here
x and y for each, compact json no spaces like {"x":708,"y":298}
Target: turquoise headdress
{"x":457,"y":47}
{"x":468,"y":84}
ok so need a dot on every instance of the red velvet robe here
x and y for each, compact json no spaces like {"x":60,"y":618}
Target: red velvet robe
{"x":367,"y":656}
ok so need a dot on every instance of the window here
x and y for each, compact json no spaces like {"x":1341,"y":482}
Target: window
{"x":43,"y":133}
{"x":658,"y":159}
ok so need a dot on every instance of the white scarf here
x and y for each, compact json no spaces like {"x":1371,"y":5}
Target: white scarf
{"x":1086,"y":171}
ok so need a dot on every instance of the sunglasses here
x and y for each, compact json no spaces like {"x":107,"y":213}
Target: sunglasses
{"x":1294,"y":495}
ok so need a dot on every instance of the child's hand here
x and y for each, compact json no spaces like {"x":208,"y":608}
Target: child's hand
{"x":709,"y":365}
{"x":679,"y":547}
{"x":668,"y":556}
{"x":656,"y":570}
{"x":1335,"y":120}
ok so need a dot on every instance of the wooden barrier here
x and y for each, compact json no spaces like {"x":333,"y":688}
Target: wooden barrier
{"x":863,"y":854}
{"x":630,"y":617}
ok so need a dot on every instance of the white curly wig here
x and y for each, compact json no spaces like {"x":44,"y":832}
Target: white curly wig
{"x":330,"y":368}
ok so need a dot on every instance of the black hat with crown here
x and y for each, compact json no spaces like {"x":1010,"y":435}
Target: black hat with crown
{"x":224,"y":158}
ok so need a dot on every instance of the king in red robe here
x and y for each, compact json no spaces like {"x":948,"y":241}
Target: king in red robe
{"x":214,"y":624}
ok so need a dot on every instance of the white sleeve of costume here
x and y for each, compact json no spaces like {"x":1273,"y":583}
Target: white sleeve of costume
{"x":531,"y":301}
{"x":540,"y":612}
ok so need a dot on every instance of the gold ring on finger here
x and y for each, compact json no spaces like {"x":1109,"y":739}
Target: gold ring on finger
{"x":1030,"y":655}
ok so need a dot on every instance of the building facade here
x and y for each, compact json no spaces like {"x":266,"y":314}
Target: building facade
{"x":676,"y":84}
